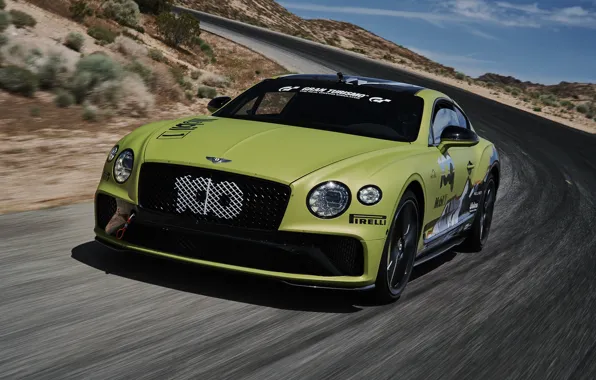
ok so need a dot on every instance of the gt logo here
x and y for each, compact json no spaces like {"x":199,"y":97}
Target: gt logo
{"x":376,"y":99}
{"x":203,"y":196}
{"x":289,"y":88}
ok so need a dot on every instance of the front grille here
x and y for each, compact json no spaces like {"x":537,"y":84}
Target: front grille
{"x":345,"y":253}
{"x":209,"y":197}
{"x":105,"y":208}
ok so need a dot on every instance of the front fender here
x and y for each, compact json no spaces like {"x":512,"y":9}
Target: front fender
{"x":389,"y":171}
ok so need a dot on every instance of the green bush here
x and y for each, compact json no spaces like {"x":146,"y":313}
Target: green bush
{"x":2,"y":4}
{"x":156,"y":55}
{"x":90,"y":72}
{"x":21,"y":19}
{"x":154,"y":6}
{"x":537,"y":109}
{"x":49,"y":73}
{"x":3,"y":39}
{"x":195,"y":75}
{"x":206,"y":92}
{"x":178,"y":30}
{"x":125,"y":12}
{"x":79,"y":10}
{"x":178,"y":75}
{"x":18,"y":80}
{"x":64,"y":98}
{"x":144,"y":72}
{"x":459,"y":76}
{"x":89,"y":113}
{"x":74,"y":41}
{"x":567,"y":104}
{"x":582,"y":108}
{"x":515,"y":92}
{"x":589,"y":115}
{"x":5,"y":20}
{"x":102,"y":34}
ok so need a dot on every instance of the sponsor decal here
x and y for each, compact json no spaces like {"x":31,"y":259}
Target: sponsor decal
{"x":473,"y":206}
{"x":440,"y":201}
{"x":447,"y":170}
{"x":203,"y":196}
{"x":433,"y":174}
{"x":106,"y":175}
{"x":180,"y":130}
{"x":376,"y":99}
{"x":330,"y":91}
{"x":376,"y":220}
{"x":467,"y":226}
{"x":288,"y":88}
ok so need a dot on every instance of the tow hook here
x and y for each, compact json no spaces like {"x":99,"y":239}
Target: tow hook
{"x":121,"y":231}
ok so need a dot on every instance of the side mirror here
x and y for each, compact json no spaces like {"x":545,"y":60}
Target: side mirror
{"x":217,"y":102}
{"x":455,"y":135}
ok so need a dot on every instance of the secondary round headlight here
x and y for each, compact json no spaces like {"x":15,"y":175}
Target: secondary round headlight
{"x":329,"y":199}
{"x":123,"y":166}
{"x":369,"y":195}
{"x":112,"y":153}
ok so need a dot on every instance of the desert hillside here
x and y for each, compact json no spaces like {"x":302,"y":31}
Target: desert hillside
{"x":573,"y":104}
{"x":76,"y":76}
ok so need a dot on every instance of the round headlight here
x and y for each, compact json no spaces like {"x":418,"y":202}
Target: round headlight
{"x":329,"y":199}
{"x":369,"y":195}
{"x":112,"y":153}
{"x":123,"y":166}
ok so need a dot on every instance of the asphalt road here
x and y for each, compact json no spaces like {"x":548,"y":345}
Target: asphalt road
{"x":524,"y":308}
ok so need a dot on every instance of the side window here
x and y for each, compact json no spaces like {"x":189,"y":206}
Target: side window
{"x":444,"y":117}
{"x":463,"y":122}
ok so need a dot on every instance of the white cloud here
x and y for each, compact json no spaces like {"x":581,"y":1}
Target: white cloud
{"x":500,"y":13}
{"x":449,"y":59}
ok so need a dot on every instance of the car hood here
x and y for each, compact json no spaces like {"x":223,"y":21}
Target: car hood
{"x":272,"y":151}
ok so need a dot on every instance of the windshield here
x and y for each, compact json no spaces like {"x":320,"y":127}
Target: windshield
{"x":339,"y":107}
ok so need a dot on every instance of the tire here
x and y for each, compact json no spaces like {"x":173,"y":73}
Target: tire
{"x":399,"y":253}
{"x":480,"y":230}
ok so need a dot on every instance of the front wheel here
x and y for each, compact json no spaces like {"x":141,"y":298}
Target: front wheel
{"x":399,"y":252}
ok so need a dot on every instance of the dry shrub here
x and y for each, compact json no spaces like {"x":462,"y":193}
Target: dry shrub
{"x":165,"y":85}
{"x":59,"y":7}
{"x":128,"y":97}
{"x":129,"y":47}
{"x":214,"y":80}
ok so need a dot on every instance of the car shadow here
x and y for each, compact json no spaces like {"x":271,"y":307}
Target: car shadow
{"x":425,"y":268}
{"x":212,"y":282}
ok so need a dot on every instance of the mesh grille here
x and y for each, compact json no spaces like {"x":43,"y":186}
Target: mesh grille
{"x":105,"y":207}
{"x":345,"y":253}
{"x":209,"y":196}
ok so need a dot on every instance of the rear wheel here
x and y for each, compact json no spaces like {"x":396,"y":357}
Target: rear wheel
{"x":484,"y":216}
{"x":400,"y":250}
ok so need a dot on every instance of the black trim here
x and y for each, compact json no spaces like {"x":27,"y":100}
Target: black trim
{"x":274,"y":251}
{"x":329,"y":217}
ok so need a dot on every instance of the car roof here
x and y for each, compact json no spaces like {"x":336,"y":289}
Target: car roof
{"x":358,"y":81}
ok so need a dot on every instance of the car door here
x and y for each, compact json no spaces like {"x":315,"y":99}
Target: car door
{"x":450,"y":174}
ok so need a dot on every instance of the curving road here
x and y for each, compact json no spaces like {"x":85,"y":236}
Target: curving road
{"x":524,"y":308}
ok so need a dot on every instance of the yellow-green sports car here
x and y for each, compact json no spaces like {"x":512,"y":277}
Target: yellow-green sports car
{"x":317,"y":180}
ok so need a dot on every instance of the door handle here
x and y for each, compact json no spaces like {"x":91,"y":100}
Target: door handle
{"x":471,"y":165}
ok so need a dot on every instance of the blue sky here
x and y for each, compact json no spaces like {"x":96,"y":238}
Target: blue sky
{"x":548,"y":41}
